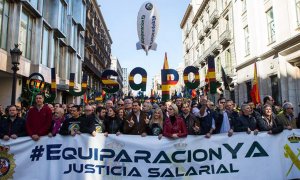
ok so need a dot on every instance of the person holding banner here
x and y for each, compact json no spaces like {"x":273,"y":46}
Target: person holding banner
{"x":156,"y":123}
{"x":207,"y":121}
{"x":191,"y":122}
{"x":58,"y":119}
{"x":39,"y":119}
{"x":246,"y":122}
{"x":99,"y":120}
{"x":77,"y":124}
{"x":13,"y":126}
{"x":137,"y":122}
{"x":269,"y":122}
{"x":174,"y":126}
{"x":113,"y":124}
{"x":225,"y":117}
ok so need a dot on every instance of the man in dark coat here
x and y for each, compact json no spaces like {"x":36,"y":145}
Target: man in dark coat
{"x":13,"y":126}
{"x":77,"y":124}
{"x":246,"y":122}
{"x":136,"y":122}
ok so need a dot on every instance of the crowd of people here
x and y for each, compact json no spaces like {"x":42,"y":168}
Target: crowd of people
{"x":171,"y":119}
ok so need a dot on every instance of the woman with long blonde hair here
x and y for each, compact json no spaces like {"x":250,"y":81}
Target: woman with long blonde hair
{"x":156,"y":123}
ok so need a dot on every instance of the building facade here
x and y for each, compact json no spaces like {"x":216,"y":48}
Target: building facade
{"x":116,"y":66}
{"x":241,"y":33}
{"x":268,"y":33}
{"x":207,"y":30}
{"x":126,"y":87}
{"x":50,"y":34}
{"x":97,"y":48}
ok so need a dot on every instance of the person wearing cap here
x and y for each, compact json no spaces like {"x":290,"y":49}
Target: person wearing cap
{"x":287,"y":116}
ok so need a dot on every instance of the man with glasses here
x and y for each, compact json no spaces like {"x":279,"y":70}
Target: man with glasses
{"x":287,"y":116}
{"x":120,"y":104}
{"x":78,"y":124}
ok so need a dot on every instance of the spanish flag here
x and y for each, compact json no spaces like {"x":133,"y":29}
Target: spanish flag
{"x":85,"y":100}
{"x":255,"y":90}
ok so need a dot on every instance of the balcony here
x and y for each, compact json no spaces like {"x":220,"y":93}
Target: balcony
{"x":225,"y":37}
{"x":199,"y":59}
{"x":201,"y":35}
{"x":216,"y":47}
{"x":214,"y":17}
{"x":88,"y":65}
{"x":206,"y":54}
{"x":207,"y":27}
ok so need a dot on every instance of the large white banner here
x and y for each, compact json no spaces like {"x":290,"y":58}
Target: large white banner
{"x":242,"y":156}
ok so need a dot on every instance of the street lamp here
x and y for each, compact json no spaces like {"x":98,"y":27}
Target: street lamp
{"x":15,"y":61}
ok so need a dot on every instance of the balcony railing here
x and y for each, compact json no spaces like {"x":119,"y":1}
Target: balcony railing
{"x":201,"y":35}
{"x":216,"y":47}
{"x":214,"y":16}
{"x":225,"y":37}
{"x":207,"y":27}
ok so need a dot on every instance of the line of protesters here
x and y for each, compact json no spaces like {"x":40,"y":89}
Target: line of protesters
{"x":170,"y":119}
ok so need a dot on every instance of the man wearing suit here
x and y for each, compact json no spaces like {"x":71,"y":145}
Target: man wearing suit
{"x":137,"y":122}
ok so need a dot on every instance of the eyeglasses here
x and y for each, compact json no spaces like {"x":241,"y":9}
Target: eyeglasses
{"x":120,"y":104}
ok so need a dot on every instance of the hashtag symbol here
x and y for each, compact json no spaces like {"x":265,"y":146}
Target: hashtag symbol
{"x":37,"y":153}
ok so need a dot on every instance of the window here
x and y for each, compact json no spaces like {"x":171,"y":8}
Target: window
{"x":298,"y":11}
{"x":34,"y":3}
{"x":25,"y":34}
{"x":68,"y":65}
{"x":249,"y":88}
{"x":79,"y":70}
{"x":61,"y":60}
{"x":4,"y":16}
{"x":62,"y":15}
{"x":247,"y":42}
{"x":45,"y":47}
{"x":270,"y":25}
{"x":228,"y":61}
{"x":70,"y":7}
{"x":244,"y":6}
{"x":275,"y":89}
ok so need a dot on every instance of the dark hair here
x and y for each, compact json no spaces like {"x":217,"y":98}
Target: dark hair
{"x":137,"y":101}
{"x":40,"y":94}
{"x":60,"y":105}
{"x":99,"y":109}
{"x":77,"y":107}
{"x":221,"y":98}
{"x":12,"y":106}
{"x":267,"y":98}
